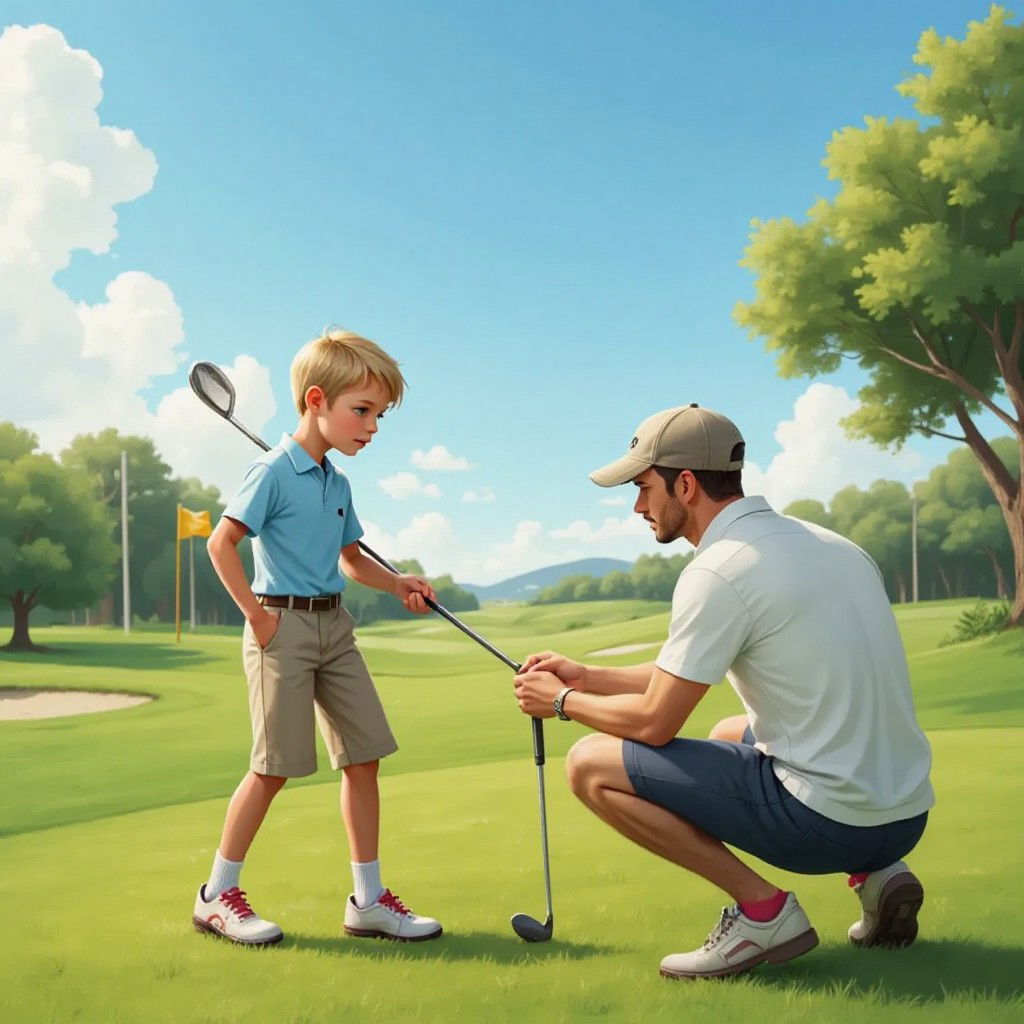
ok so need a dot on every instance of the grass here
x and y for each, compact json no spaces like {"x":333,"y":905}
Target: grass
{"x":111,"y":822}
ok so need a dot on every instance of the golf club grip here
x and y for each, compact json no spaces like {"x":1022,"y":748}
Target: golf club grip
{"x":538,"y":740}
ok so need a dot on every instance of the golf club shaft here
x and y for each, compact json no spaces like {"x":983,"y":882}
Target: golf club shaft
{"x":544,"y":829}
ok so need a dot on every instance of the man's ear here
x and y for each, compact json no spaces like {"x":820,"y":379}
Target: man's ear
{"x":684,"y":486}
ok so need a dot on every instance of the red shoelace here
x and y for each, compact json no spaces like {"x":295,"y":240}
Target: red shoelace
{"x":236,"y":901}
{"x":392,"y":902}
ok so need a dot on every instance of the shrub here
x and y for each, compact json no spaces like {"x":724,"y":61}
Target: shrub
{"x":982,"y":619}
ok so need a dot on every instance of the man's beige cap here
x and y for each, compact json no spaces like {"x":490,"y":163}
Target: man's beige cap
{"x":687,"y":437}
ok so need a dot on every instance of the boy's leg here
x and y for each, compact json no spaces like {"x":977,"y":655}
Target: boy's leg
{"x":246,"y":811}
{"x":280,"y":678}
{"x":357,"y":735}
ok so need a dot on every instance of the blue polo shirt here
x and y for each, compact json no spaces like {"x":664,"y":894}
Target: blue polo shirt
{"x":300,"y":516}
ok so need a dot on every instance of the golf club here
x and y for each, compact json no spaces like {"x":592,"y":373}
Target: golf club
{"x":214,"y":390}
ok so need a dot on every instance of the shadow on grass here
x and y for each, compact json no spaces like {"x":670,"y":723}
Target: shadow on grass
{"x":111,"y":655}
{"x":483,"y":946}
{"x":929,"y":971}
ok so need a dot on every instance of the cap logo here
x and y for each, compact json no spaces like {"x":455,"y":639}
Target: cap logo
{"x":634,"y":442}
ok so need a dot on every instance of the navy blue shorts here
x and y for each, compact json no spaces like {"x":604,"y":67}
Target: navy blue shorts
{"x":730,"y":791}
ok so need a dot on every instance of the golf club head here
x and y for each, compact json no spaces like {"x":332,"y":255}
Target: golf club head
{"x":530,"y":929}
{"x":212,"y":388}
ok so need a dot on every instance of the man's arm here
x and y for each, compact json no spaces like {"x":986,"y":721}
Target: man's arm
{"x":654,"y":716}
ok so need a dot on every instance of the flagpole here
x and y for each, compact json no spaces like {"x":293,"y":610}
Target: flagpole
{"x":177,"y":576}
{"x":126,"y":589}
{"x":192,"y":583}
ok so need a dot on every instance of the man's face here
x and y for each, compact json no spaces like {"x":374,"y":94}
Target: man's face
{"x":660,"y":507}
{"x":349,"y":423}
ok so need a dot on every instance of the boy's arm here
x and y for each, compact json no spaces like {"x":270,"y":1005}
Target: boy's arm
{"x":223,"y":549}
{"x":407,"y":587}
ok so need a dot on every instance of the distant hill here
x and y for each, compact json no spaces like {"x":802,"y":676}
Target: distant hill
{"x":525,"y":586}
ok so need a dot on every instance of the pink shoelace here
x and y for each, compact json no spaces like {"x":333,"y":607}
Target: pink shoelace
{"x":236,"y":901}
{"x":392,"y":902}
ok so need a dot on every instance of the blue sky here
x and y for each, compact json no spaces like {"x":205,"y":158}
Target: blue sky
{"x":539,"y":209}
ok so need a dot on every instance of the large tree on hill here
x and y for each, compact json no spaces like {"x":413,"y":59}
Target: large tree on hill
{"x":916,"y":268}
{"x":55,"y":546}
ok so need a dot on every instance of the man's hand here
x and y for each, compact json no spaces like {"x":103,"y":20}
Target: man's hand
{"x":265,"y":625}
{"x":571,"y":673}
{"x":536,"y":692}
{"x":411,"y":590}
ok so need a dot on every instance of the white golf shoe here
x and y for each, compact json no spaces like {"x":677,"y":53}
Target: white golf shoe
{"x":229,"y":916}
{"x":737,"y":944}
{"x":388,"y":918}
{"x":889,"y":900}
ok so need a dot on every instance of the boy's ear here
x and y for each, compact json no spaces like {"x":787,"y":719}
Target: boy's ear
{"x":315,"y":398}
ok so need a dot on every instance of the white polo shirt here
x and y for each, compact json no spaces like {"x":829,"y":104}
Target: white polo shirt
{"x":798,"y":621}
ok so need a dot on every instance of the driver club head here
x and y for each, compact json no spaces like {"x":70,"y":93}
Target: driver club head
{"x":530,"y":929}
{"x":212,"y":388}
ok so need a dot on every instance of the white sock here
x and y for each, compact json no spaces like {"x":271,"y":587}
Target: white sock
{"x":223,"y":876}
{"x":367,"y":882}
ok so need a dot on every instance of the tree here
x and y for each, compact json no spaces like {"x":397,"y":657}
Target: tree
{"x":55,"y":545}
{"x":152,"y":498}
{"x":810,"y":511}
{"x":916,"y":268}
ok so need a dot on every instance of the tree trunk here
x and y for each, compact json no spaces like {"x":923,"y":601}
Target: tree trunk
{"x":945,"y":581}
{"x":1007,"y":491}
{"x":1000,"y":576}
{"x":901,"y":587}
{"x":22,"y":605}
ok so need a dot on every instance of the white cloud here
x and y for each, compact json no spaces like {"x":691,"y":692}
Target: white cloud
{"x":817,"y":459}
{"x":429,"y":538}
{"x":483,"y":494}
{"x":439,"y":459}
{"x":70,"y":367}
{"x":615,"y":502}
{"x":612,"y":528}
{"x":405,"y":485}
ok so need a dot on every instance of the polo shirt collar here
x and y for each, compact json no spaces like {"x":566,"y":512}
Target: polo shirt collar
{"x":301,"y":459}
{"x":719,"y":526}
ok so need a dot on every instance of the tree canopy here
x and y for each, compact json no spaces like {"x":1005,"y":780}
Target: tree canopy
{"x":915,"y":269}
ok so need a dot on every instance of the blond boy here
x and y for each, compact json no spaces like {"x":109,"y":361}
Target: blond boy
{"x":298,"y":649}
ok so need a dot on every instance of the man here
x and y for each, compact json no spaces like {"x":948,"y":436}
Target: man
{"x":826,"y":772}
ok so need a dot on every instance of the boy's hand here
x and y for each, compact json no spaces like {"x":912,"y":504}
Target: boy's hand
{"x":411,"y":590}
{"x":265,"y":625}
{"x":570,"y":673}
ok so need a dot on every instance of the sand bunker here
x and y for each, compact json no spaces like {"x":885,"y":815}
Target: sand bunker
{"x":17,"y":705}
{"x":624,"y":649}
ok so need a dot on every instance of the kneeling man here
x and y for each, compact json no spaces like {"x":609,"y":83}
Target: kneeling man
{"x":828,"y":769}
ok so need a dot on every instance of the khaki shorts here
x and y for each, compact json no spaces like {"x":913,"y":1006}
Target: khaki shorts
{"x":312,"y":665}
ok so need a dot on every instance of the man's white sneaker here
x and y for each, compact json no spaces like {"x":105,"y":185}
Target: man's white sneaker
{"x":889,"y":900}
{"x":737,"y":944}
{"x":388,"y":918}
{"x":230,"y":917}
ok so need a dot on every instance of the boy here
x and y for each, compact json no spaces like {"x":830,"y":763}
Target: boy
{"x":298,"y":647}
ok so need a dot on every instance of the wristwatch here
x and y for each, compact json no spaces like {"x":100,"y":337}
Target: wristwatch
{"x":560,"y":700}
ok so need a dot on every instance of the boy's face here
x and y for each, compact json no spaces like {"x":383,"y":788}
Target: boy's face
{"x":350,"y":422}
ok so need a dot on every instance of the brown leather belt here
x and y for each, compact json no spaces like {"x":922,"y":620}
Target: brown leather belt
{"x":301,"y":604}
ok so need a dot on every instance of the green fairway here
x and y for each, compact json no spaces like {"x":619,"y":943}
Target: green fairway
{"x":109,"y":823}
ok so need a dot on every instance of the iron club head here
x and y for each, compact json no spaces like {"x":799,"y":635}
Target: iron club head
{"x":213,"y":388}
{"x":530,"y":929}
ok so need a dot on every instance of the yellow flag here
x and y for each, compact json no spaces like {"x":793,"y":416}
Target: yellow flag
{"x":193,"y":524}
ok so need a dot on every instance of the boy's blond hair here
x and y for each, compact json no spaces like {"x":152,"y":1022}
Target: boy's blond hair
{"x":339,"y":360}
